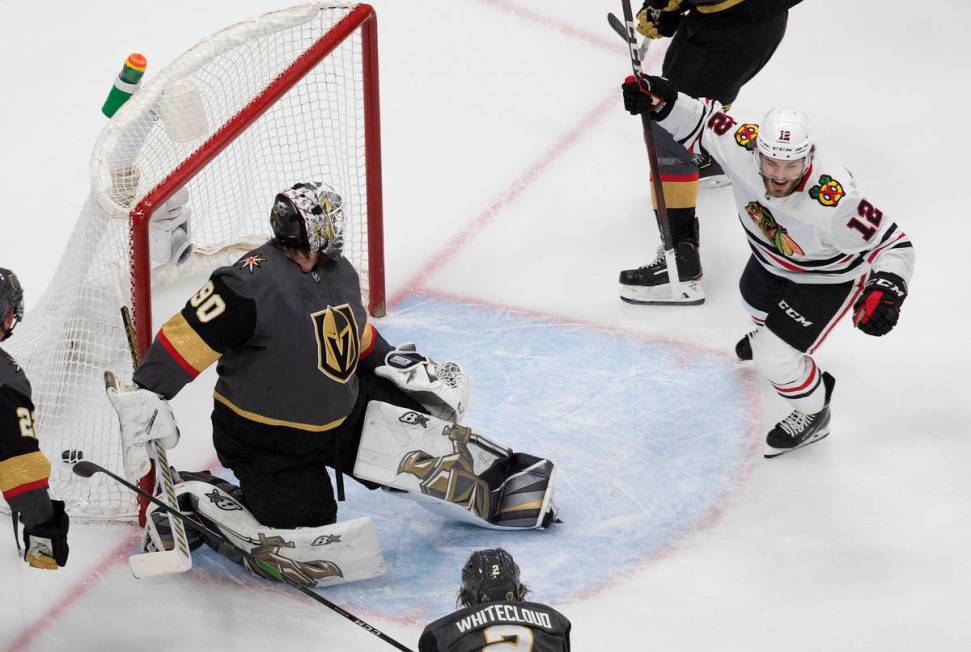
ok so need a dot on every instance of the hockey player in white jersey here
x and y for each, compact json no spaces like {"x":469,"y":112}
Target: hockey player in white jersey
{"x":819,"y":247}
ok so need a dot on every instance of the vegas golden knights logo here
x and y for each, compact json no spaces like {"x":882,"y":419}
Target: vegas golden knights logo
{"x":451,"y":478}
{"x":338,"y":342}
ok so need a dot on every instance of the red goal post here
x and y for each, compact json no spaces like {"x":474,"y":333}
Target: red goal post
{"x":361,"y":17}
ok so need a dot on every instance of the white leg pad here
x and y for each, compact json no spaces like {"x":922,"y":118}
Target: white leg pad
{"x":448,"y":469}
{"x":342,"y":552}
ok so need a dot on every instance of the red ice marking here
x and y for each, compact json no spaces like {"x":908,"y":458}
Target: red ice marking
{"x":56,"y":610}
{"x":613,"y":44}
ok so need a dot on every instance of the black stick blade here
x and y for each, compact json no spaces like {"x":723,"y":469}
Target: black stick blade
{"x":85,"y":469}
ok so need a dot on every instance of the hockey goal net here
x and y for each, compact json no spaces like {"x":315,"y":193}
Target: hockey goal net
{"x":197,"y":155}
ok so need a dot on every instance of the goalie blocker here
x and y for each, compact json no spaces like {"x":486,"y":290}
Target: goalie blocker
{"x":454,"y":472}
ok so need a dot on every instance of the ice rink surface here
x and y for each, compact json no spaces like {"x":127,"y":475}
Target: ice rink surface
{"x":515,"y":189}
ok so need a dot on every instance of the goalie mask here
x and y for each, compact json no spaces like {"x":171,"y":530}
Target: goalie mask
{"x":11,"y":296}
{"x":490,"y":576}
{"x":309,"y":217}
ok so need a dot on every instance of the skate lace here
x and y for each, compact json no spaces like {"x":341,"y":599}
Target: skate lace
{"x":658,"y":263}
{"x":796,"y":423}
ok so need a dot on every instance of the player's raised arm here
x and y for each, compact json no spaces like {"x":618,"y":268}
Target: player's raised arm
{"x":693,"y":122}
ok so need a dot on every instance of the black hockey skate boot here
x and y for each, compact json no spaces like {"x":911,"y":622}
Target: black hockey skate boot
{"x":798,"y":430}
{"x":743,"y":348}
{"x":656,"y":273}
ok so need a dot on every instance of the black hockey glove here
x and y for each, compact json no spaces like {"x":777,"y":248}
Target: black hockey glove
{"x":46,"y":543}
{"x":654,"y":95}
{"x":659,"y":18}
{"x":877,"y":309}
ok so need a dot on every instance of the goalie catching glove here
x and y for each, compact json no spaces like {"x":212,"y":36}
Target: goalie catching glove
{"x":443,"y":389}
{"x":145,"y":417}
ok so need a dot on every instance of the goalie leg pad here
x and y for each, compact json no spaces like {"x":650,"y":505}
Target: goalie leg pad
{"x":341,"y":552}
{"x":452,"y":471}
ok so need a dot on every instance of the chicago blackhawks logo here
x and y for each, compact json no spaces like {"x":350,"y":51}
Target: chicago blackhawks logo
{"x":745,"y":135}
{"x":773,"y":231}
{"x":338,"y":342}
{"x":828,"y":191}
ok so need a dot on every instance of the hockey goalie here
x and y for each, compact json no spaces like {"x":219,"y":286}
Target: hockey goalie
{"x":305,"y":382}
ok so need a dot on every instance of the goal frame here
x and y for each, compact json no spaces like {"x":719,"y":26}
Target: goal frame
{"x":362,"y":17}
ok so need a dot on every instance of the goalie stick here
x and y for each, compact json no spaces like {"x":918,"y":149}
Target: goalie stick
{"x":86,"y":469}
{"x":626,"y":31}
{"x":179,"y":558}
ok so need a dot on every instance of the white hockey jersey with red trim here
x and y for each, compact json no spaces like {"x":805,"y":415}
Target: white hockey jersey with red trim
{"x":824,"y":232}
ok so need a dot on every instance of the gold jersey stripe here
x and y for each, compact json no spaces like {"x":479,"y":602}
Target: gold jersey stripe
{"x":188,"y":343}
{"x":366,"y":337}
{"x":521,"y":507}
{"x":721,"y":6}
{"x":259,"y":418}
{"x":23,"y":469}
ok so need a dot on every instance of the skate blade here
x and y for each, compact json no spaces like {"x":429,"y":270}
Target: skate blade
{"x":776,"y":452}
{"x":690,"y":294}
{"x":714,"y":181}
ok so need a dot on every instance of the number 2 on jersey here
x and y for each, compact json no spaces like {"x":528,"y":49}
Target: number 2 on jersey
{"x":508,"y":637}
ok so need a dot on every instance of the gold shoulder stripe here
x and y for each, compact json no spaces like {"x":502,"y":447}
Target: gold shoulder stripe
{"x":721,"y":6}
{"x":259,"y":418}
{"x":188,"y":344}
{"x":23,"y":469}
{"x":367,"y":338}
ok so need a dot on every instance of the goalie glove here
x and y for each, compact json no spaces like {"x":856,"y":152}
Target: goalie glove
{"x":144,"y":417}
{"x":443,"y":389}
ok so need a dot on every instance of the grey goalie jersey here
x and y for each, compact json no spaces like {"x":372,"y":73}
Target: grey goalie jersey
{"x":289,"y":344}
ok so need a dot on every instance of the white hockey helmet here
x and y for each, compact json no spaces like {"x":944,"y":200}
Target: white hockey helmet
{"x":784,"y":135}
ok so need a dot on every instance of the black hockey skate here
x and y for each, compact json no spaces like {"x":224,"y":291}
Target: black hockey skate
{"x":649,"y":284}
{"x":799,"y":430}
{"x":743,"y":348}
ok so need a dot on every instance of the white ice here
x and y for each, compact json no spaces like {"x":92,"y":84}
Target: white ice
{"x":505,"y":139}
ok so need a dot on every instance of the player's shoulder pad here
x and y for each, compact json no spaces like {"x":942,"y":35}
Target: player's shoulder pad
{"x":250,"y":271}
{"x":829,"y":184}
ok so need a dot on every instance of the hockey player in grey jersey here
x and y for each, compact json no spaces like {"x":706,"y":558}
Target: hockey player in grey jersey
{"x":306,"y":382}
{"x":819,"y":247}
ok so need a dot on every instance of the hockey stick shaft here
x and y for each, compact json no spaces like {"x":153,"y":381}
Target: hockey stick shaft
{"x":86,"y":469}
{"x":163,"y":472}
{"x":663,"y":224}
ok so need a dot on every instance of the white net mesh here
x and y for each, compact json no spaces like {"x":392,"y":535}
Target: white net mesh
{"x":313,"y":132}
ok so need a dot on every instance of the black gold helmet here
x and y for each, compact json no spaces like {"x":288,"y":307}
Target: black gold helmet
{"x":490,"y":576}
{"x":11,"y":296}
{"x":309,"y":217}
